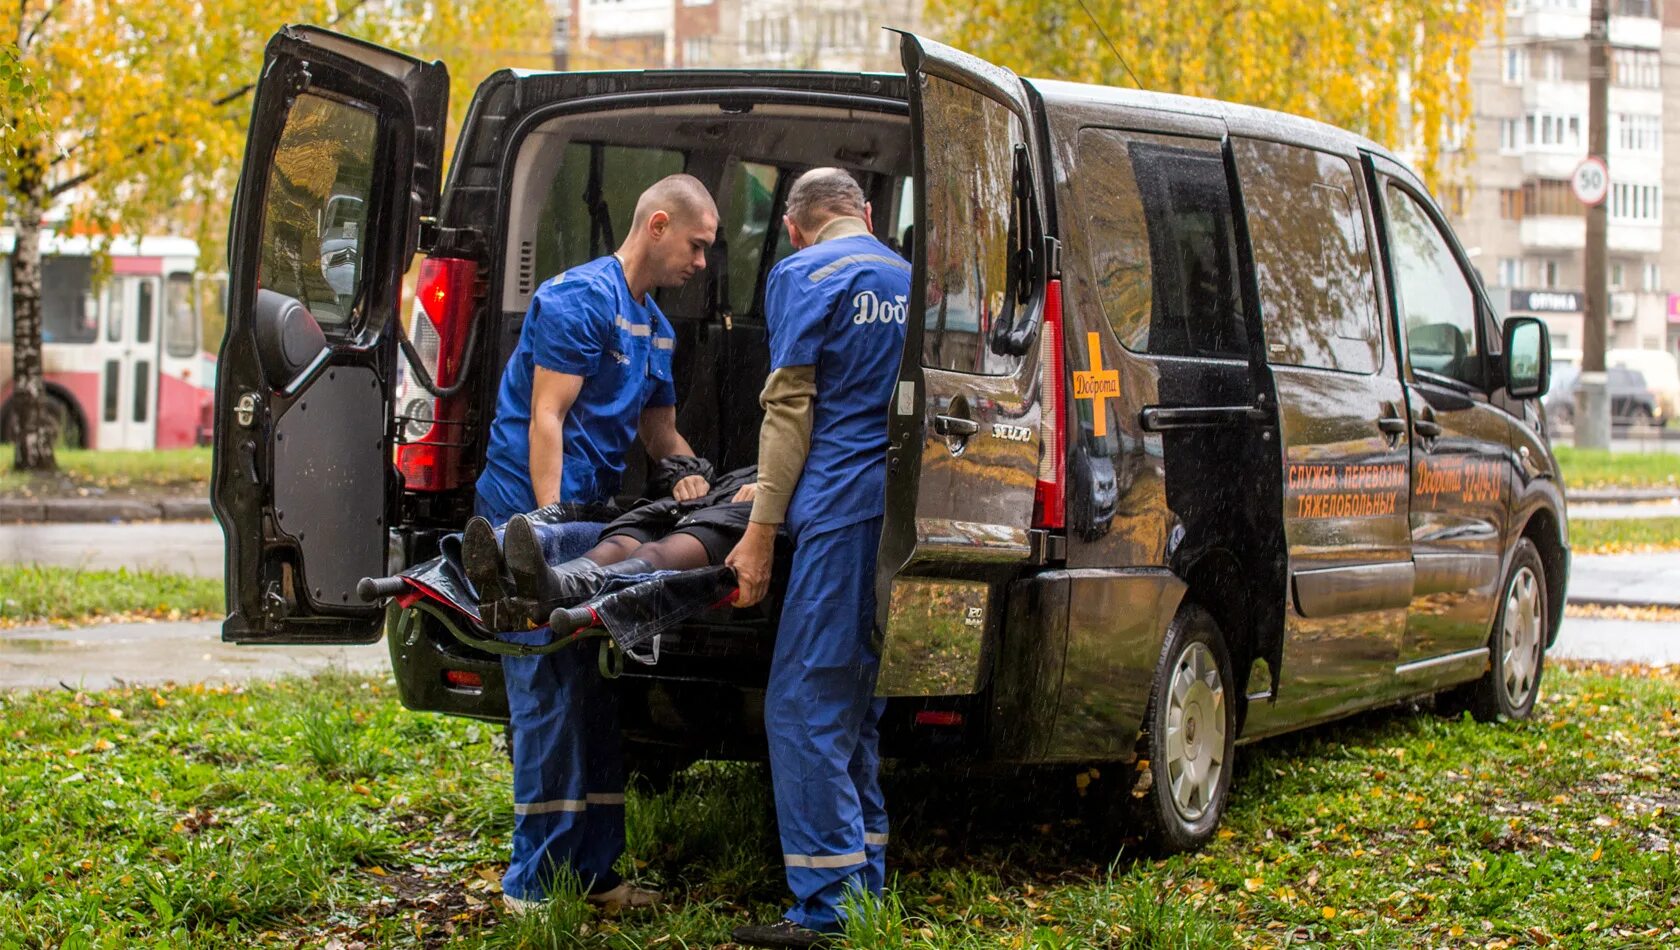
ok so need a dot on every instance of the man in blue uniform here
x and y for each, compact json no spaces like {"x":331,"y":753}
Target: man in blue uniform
{"x":591,"y":373}
{"x":836,"y":310}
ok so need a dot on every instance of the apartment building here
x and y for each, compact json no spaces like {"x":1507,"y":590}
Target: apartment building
{"x":782,"y":34}
{"x":1516,"y":213}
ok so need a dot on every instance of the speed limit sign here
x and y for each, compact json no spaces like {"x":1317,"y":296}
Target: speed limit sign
{"x":1591,"y":180}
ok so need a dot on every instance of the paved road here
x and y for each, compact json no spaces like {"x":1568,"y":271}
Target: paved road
{"x":181,"y":547}
{"x":105,"y":656}
{"x":1631,"y":578}
{"x":1642,"y":509}
{"x":1618,"y":641}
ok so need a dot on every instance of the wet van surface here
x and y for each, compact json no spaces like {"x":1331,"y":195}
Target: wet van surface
{"x":1203,"y":428}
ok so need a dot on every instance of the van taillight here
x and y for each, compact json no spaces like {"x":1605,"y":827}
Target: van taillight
{"x":429,"y":447}
{"x":1049,"y":500}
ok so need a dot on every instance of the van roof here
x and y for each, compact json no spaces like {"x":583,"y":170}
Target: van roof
{"x":1243,"y":120}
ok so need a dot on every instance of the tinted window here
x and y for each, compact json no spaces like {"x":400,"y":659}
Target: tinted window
{"x":315,"y":216}
{"x":1318,"y":295}
{"x":142,"y":390}
{"x":970,"y":172}
{"x":746,"y":225}
{"x":143,"y":312}
{"x":68,"y":313}
{"x":1435,"y":302}
{"x":1162,"y":242}
{"x":589,"y":207}
{"x":180,"y":322}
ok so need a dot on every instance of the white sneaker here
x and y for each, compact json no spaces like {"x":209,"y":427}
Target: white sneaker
{"x":519,"y":907}
{"x":625,"y":895}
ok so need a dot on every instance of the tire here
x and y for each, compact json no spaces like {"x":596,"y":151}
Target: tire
{"x":1189,"y":739}
{"x":1517,"y":644}
{"x":68,"y":425}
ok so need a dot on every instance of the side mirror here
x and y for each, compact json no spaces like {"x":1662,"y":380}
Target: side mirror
{"x":1528,"y":358}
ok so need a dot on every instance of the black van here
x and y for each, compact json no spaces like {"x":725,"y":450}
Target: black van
{"x":1205,"y":429}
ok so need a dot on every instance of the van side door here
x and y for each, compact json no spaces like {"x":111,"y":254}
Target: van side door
{"x":342,"y":162}
{"x":1341,"y":419}
{"x":1461,"y":474}
{"x":964,"y":440}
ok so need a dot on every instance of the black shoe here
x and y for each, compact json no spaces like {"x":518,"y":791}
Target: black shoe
{"x":481,"y":560}
{"x":782,"y":933}
{"x":524,"y":557}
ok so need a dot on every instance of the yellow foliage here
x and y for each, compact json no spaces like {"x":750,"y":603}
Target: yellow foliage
{"x":1396,"y":71}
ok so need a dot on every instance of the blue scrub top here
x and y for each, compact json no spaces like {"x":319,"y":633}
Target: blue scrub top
{"x":840,"y":306}
{"x":583,"y":322}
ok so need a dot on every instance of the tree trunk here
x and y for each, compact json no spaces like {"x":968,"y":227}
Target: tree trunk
{"x":33,"y":449}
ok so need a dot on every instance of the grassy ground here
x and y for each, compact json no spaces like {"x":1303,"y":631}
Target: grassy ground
{"x":84,"y":471}
{"x":35,"y":594}
{"x":1624,"y":535}
{"x":317,"y":811}
{"x":1596,"y":468}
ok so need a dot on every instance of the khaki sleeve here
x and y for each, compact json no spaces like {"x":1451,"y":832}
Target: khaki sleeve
{"x":789,"y":400}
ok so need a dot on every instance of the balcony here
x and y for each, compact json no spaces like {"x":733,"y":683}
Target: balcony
{"x":1641,"y":32}
{"x":1554,"y":232}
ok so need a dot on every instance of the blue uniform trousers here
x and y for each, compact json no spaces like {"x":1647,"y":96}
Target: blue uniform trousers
{"x":568,"y":758}
{"x":821,"y":715}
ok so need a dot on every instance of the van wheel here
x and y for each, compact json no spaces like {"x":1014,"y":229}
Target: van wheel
{"x":1189,"y":738}
{"x":1518,"y":645}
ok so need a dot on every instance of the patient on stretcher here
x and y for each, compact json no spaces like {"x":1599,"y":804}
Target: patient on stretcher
{"x":518,"y":587}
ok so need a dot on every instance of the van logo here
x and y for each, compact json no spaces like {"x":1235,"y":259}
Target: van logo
{"x":872,"y":309}
{"x":1010,"y":433}
{"x":974,"y":617}
{"x":1097,"y":385}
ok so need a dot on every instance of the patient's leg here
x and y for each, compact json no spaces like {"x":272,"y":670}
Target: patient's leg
{"x":674,"y":552}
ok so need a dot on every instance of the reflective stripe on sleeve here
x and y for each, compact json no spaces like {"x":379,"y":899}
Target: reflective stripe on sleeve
{"x":841,"y":263}
{"x":548,"y":807}
{"x":820,"y":861}
{"x":872,"y":839}
{"x":605,"y":798}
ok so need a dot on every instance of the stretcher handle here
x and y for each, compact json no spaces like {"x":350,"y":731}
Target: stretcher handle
{"x":568,"y":620}
{"x":373,"y":589}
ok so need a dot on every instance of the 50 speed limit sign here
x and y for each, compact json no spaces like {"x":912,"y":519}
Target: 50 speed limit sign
{"x":1591,"y":180}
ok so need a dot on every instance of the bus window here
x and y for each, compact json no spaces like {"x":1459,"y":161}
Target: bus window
{"x":180,"y":320}
{"x":67,"y":311}
{"x":116,"y":308}
{"x":143,"y":314}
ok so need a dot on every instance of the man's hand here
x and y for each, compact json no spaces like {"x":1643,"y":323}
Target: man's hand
{"x":690,"y":488}
{"x":751,"y":561}
{"x":747,"y":492}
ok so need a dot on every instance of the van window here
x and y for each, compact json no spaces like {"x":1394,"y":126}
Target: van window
{"x":589,"y":207}
{"x":314,"y":231}
{"x":1435,"y":302}
{"x":1318,"y":294}
{"x":970,"y":172}
{"x":1162,"y":242}
{"x":746,"y":225}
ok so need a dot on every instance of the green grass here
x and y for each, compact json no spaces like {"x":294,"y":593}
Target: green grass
{"x":1624,"y":535}
{"x":162,"y":470}
{"x":313,"y":810}
{"x":1598,"y":468}
{"x":32,"y":593}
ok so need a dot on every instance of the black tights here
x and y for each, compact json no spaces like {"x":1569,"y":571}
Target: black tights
{"x":674,"y":552}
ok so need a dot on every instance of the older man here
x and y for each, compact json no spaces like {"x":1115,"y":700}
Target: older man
{"x":591,"y":373}
{"x":836,"y":311}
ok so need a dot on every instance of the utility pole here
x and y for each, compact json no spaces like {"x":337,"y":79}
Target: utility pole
{"x":1592,"y":412}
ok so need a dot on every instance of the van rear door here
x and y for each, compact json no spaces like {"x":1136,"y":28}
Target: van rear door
{"x":963,"y":459}
{"x":342,"y":162}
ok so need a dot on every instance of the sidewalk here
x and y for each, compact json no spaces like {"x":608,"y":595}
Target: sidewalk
{"x":101,"y":657}
{"x":1636,"y":580}
{"x":162,"y":508}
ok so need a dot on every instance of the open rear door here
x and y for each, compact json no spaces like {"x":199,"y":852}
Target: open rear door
{"x":963,"y":460}
{"x":342,"y":162}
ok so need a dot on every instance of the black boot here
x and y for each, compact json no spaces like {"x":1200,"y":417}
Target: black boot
{"x":481,"y":560}
{"x":782,"y":933}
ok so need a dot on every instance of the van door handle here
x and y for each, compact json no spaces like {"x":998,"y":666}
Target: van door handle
{"x":955,"y":425}
{"x":1427,"y":428}
{"x":1393,"y":425}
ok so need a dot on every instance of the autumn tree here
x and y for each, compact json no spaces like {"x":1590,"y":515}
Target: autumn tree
{"x":122,"y":112}
{"x":1397,"y":71}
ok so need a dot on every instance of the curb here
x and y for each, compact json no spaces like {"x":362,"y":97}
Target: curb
{"x":1628,"y":603}
{"x":14,"y":511}
{"x":1590,"y":496}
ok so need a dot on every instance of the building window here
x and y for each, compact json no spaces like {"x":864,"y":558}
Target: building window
{"x":1550,"y":130}
{"x":1510,"y":204}
{"x":1618,"y":275}
{"x":1510,"y":272}
{"x":1638,"y":133}
{"x":1516,"y":65}
{"x":1510,"y":136}
{"x":1549,"y":196}
{"x":1638,"y":203}
{"x":1549,"y":274}
{"x":1653,"y":277}
{"x":1640,"y":8}
{"x":1551,"y":66}
{"x":697,"y":51}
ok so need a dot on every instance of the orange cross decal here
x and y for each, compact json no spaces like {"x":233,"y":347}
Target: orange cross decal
{"x":1097,"y":385}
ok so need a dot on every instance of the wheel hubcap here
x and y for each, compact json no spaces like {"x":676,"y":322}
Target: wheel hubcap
{"x":1520,"y":641}
{"x":1195,"y":746}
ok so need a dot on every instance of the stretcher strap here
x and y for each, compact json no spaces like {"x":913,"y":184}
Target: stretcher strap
{"x":490,"y":644}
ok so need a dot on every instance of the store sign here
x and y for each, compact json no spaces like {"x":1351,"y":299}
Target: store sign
{"x":1674,"y":308}
{"x":1549,"y":301}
